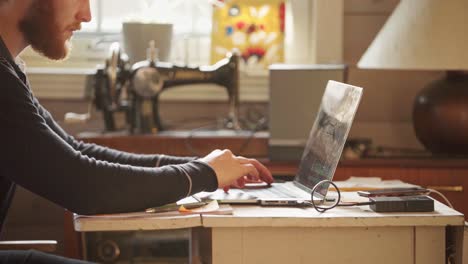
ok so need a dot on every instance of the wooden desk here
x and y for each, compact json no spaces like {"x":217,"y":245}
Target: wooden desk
{"x":449,"y":176}
{"x":292,"y":235}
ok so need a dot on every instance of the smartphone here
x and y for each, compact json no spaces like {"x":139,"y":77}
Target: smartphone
{"x":394,"y":192}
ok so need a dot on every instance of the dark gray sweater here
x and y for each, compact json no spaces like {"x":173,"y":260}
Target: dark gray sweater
{"x":83,"y":178}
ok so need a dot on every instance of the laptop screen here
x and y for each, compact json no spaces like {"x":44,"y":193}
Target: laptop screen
{"x":328,"y":135}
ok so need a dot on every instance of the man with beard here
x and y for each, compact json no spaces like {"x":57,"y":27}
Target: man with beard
{"x":83,"y":178}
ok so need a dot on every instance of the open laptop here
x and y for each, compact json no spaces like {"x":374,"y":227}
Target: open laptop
{"x":321,"y":154}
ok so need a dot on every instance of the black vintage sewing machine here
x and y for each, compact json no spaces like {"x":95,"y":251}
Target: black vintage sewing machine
{"x":135,"y":89}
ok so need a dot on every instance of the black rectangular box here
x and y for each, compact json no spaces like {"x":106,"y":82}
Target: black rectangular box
{"x":402,"y":204}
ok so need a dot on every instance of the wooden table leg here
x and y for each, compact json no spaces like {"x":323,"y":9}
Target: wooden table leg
{"x":200,"y":245}
{"x":72,"y":238}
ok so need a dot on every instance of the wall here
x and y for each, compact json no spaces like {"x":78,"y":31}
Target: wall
{"x":384,"y":114}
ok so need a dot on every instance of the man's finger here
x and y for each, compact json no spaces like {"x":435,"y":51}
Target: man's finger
{"x":240,"y":182}
{"x":252,"y":179}
{"x":264,"y":173}
{"x":250,"y":169}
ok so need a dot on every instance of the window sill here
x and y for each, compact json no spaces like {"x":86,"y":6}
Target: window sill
{"x":59,"y":71}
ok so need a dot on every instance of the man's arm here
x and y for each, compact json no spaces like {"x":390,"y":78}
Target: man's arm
{"x":36,"y":158}
{"x":108,"y":154}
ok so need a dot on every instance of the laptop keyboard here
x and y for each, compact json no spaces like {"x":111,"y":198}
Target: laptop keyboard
{"x":282,"y":190}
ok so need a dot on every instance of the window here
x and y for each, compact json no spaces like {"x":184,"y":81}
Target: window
{"x":191,"y":19}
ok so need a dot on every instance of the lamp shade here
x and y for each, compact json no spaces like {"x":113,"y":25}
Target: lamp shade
{"x":422,"y":35}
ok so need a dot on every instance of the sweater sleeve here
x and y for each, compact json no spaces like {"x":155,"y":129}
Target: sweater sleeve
{"x":108,"y":154}
{"x":35,"y":157}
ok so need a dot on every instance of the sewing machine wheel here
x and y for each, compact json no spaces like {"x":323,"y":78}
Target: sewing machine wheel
{"x":147,"y":82}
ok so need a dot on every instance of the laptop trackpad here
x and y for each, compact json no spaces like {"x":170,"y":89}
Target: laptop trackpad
{"x":234,"y":196}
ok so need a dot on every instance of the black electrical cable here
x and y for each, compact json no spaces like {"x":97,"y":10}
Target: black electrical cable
{"x":187,"y":123}
{"x":319,"y":208}
{"x":188,"y":141}
{"x":322,"y":209}
{"x":252,"y":132}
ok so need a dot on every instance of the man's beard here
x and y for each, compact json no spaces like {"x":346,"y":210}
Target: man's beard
{"x":42,"y":32}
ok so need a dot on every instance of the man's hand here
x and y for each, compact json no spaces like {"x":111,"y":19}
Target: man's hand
{"x":235,"y":170}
